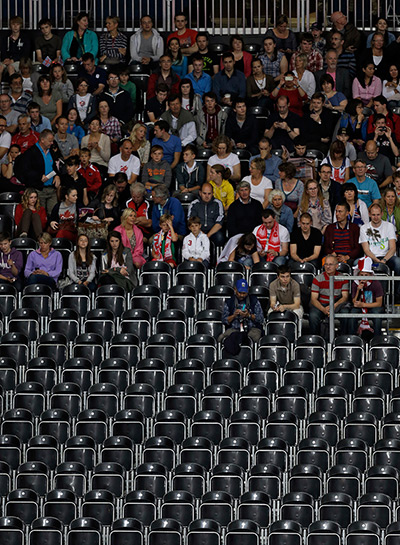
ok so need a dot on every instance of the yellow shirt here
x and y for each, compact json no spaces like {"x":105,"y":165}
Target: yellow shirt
{"x":223,"y":193}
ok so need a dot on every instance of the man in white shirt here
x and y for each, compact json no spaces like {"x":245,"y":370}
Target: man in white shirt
{"x":125,"y":162}
{"x":272,"y":239}
{"x":5,"y":139}
{"x":181,"y":121}
{"x":378,"y":241}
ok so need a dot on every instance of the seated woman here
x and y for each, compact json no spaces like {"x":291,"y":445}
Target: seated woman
{"x":75,"y":126}
{"x":29,"y":77}
{"x":313,"y":202}
{"x":49,"y":100}
{"x":109,"y":125}
{"x":190,"y":100}
{"x":10,"y":182}
{"x":245,"y":251}
{"x":99,"y":145}
{"x":44,"y":265}
{"x":30,"y":216}
{"x":107,"y":208}
{"x":260,"y":185}
{"x":132,"y":237}
{"x":11,"y":262}
{"x":82,"y":264}
{"x":117,"y":266}
{"x":113,"y":43}
{"x":291,"y":187}
{"x":64,"y":216}
{"x":283,"y":213}
{"x":305,"y":243}
{"x":358,"y":208}
{"x":337,"y":159}
{"x":179,"y":61}
{"x":391,"y":208}
{"x":141,"y":146}
{"x":259,"y":85}
{"x":222,"y":148}
{"x":79,"y":40}
{"x":334,"y":100}
{"x":366,"y":86}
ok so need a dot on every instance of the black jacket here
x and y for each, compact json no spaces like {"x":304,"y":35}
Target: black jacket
{"x":243,"y":218}
{"x":121,"y":105}
{"x":29,"y":167}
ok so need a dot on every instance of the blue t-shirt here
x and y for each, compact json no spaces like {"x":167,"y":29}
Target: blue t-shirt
{"x":172,"y":145}
{"x":48,"y":164}
{"x":368,"y":190}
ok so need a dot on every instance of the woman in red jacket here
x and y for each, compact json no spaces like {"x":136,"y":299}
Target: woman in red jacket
{"x":242,"y":58}
{"x":30,"y":217}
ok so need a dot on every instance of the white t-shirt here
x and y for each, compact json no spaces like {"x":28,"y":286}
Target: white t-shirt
{"x":229,"y":162}
{"x":377,"y":237}
{"x":5,"y":142}
{"x":82,"y":105}
{"x":131,"y":166}
{"x":257,"y":191}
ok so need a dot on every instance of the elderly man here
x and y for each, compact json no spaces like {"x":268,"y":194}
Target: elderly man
{"x":341,"y":76}
{"x":142,"y":208}
{"x":244,"y":214}
{"x":351,"y":36}
{"x":164,"y":204}
{"x":25,"y":137}
{"x":243,"y":318}
{"x":20,"y":98}
{"x":10,"y":115}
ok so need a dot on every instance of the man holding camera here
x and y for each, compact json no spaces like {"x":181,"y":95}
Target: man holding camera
{"x":385,"y":139}
{"x":243,"y":318}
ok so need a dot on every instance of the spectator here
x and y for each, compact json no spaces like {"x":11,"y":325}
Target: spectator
{"x":157,"y":171}
{"x":341,"y":237}
{"x":19,"y":98}
{"x":163,"y":204}
{"x":61,"y":83}
{"x":63,"y":221}
{"x":304,"y":77}
{"x":272,"y":162}
{"x":201,"y":81}
{"x":385,"y":139}
{"x":82,"y":264}
{"x":282,"y":126}
{"x":44,"y":265}
{"x":125,"y":162}
{"x":229,"y":83}
{"x":163,"y":248}
{"x":109,"y":124}
{"x":210,"y":59}
{"x":354,"y":121}
{"x":284,"y":37}
{"x":120,"y":180}
{"x":273,"y":239}
{"x":240,"y":126}
{"x":30,"y":216}
{"x":157,"y":105}
{"x":107,"y":209}
{"x":333,"y":99}
{"x":36,"y":169}
{"x":390,"y":205}
{"x":146,"y":45}
{"x":83,"y":102}
{"x":13,"y":47}
{"x":211,"y":214}
{"x":343,"y":136}
{"x":346,"y":59}
{"x":25,"y":137}
{"x":305,"y":243}
{"x":126,"y":84}
{"x":171,"y":144}
{"x":38,"y":122}
{"x":340,"y":76}
{"x":274,"y":62}
{"x":47,"y":45}
{"x":99,"y":145}
{"x":318,"y":124}
{"x":290,"y":87}
{"x":190,"y":101}
{"x":190,"y":174}
{"x":211,"y":121}
{"x":113,"y":43}
{"x":196,"y":245}
{"x":313,"y":202}
{"x":283,"y":213}
{"x":377,"y":55}
{"x":244,"y":214}
{"x":95,"y":76}
{"x":358,"y":213}
{"x":319,"y":41}
{"x":116,"y":264}
{"x":10,"y":181}
{"x":10,"y":115}
{"x":366,"y":85}
{"x":382,"y":27}
{"x":245,"y":251}
{"x":243,"y":318}
{"x":222,"y":147}
{"x":315,"y":61}
{"x":90,"y":172}
{"x":339,"y":163}
{"x":396,"y":182}
{"x":50,"y":101}
{"x":222,"y":189}
{"x":378,"y":165}
{"x":119,"y":101}
{"x":11,"y":262}
{"x":141,"y":146}
{"x":352,"y":37}
{"x":258,"y":85}
{"x":367,"y":188}
{"x":142,"y":207}
{"x":163,"y":74}
{"x":79,"y":41}
{"x":241,"y":57}
{"x":186,"y":36}
{"x":74,"y":179}
{"x":391,"y":87}
{"x":284,"y":293}
{"x":67,"y":143}
{"x":291,"y":187}
{"x":392,"y":120}
{"x":179,"y":62}
{"x":378,"y":240}
{"x":132,"y":237}
{"x":260,"y":185}
{"x":320,"y":295}
{"x":29,"y":76}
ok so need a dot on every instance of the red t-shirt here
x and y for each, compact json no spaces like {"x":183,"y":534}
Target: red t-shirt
{"x":187,"y":39}
{"x":25,"y":142}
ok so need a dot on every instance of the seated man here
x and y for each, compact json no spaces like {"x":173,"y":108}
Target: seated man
{"x":20,"y":99}
{"x":211,"y":214}
{"x":229,"y":83}
{"x":25,"y":137}
{"x":272,"y":162}
{"x":142,"y":208}
{"x":181,"y":121}
{"x":351,"y":36}
{"x":171,"y":144}
{"x":319,"y":305}
{"x":96,"y":76}
{"x":315,"y":61}
{"x":163,"y":74}
{"x":284,"y":293}
{"x":210,"y":59}
{"x":341,"y":76}
{"x":210,"y":120}
{"x":331,"y":189}
{"x":47,"y":45}
{"x":319,"y":123}
{"x":14,"y":46}
{"x":146,"y":45}
{"x":244,"y":213}
{"x":185,"y":35}
{"x":243,"y":317}
{"x":367,"y":188}
{"x":164,"y":204}
{"x":119,"y":100}
{"x":367,"y":297}
{"x":125,"y":162}
{"x":272,"y":239}
{"x":305,"y":243}
{"x":341,"y":237}
{"x":241,"y":126}
{"x":283,"y":126}
{"x":202,"y":82}
{"x":38,"y":122}
{"x":379,"y":167}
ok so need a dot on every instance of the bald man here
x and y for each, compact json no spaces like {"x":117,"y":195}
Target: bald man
{"x":351,"y":36}
{"x":378,"y":165}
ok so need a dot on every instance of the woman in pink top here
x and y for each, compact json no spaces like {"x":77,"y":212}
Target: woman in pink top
{"x":366,"y":85}
{"x":132,"y":237}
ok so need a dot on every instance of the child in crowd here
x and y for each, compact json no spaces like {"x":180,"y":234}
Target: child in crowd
{"x":190,"y":174}
{"x":196,"y":246}
{"x":163,"y":243}
{"x":157,"y":171}
{"x":157,"y":105}
{"x":90,"y":173}
{"x":245,"y":251}
{"x":127,"y":85}
{"x":11,"y":262}
{"x":60,"y":81}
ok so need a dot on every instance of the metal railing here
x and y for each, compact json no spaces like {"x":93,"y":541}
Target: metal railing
{"x":219,"y":17}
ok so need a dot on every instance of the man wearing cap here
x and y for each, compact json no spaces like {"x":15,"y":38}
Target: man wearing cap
{"x":343,"y":135}
{"x":367,"y":297}
{"x":243,"y":318}
{"x":319,"y":42}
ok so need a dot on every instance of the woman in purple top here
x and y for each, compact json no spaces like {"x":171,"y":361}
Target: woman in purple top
{"x":44,"y":265}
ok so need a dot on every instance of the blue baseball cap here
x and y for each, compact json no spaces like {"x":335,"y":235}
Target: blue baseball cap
{"x":242,"y":286}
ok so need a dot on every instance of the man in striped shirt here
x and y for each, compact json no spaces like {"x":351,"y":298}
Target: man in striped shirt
{"x":319,"y":307}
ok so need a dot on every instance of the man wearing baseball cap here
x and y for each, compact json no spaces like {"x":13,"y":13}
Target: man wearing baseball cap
{"x":243,"y":318}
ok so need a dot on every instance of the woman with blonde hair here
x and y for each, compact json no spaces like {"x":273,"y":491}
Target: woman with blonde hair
{"x":313,"y":202}
{"x":30,"y":216}
{"x":141,"y":146}
{"x":222,"y":189}
{"x":132,"y":236}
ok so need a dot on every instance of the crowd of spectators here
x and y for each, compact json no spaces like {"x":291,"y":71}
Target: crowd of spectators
{"x":88,"y":156}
